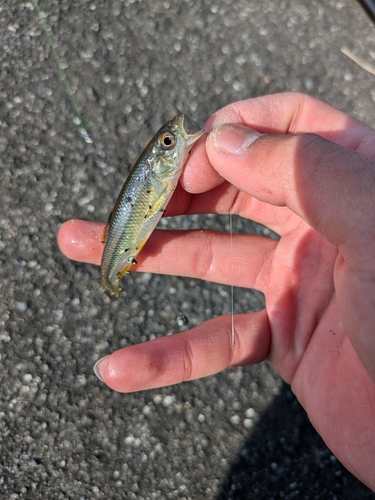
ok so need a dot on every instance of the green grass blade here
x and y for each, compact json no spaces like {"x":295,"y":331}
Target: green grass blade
{"x":82,"y":129}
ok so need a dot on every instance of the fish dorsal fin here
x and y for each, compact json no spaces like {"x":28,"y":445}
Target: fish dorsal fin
{"x":105,"y":230}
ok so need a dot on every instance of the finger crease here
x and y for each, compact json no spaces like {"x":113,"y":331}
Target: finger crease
{"x":187,"y":357}
{"x":234,"y":347}
{"x":204,"y":263}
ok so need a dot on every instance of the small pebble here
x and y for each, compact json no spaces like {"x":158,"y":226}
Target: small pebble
{"x":21,"y":306}
{"x":235,"y":419}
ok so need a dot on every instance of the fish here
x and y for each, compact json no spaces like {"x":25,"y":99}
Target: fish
{"x":143,"y":200}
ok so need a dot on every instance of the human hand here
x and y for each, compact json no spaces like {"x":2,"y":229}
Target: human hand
{"x":317,"y":193}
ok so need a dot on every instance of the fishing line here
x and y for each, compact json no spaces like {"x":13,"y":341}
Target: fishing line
{"x":231,"y":270}
{"x":81,"y":128}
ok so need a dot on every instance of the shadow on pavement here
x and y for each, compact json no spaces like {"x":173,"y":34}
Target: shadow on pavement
{"x":286,"y":456}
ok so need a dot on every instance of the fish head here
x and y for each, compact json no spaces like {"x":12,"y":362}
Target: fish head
{"x":172,"y":146}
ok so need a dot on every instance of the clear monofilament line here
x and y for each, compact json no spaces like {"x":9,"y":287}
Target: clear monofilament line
{"x":231,"y":271}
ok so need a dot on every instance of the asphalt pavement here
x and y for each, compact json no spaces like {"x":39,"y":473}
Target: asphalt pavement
{"x":132,"y":65}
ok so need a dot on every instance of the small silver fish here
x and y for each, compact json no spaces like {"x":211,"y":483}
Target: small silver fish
{"x":143,"y":199}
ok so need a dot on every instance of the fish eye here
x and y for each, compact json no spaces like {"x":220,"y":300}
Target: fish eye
{"x":168,"y":140}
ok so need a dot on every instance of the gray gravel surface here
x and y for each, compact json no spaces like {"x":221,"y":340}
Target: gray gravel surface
{"x":132,"y":64}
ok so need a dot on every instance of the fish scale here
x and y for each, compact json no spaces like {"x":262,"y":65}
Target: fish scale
{"x":143,"y":199}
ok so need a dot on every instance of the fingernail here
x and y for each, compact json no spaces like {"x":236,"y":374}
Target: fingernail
{"x":234,"y":138}
{"x":99,"y":366}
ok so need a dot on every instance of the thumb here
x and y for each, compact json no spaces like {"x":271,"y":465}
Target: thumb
{"x":333,"y":189}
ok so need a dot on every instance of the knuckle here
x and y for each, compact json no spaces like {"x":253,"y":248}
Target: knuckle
{"x":204,"y":259}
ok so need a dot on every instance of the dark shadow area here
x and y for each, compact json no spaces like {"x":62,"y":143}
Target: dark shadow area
{"x":286,"y":458}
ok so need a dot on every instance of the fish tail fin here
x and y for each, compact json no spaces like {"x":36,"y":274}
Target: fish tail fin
{"x":114,"y":288}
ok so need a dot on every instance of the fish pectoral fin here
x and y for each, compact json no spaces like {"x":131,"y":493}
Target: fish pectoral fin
{"x":156,"y":208}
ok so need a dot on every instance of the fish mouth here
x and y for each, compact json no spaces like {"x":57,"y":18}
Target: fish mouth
{"x":190,"y":137}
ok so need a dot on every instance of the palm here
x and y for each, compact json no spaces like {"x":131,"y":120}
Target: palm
{"x":309,"y":285}
{"x":309,"y":347}
{"x":306,"y":341}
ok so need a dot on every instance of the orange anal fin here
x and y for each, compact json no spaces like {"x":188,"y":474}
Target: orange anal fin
{"x":131,"y":260}
{"x":123,"y":271}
